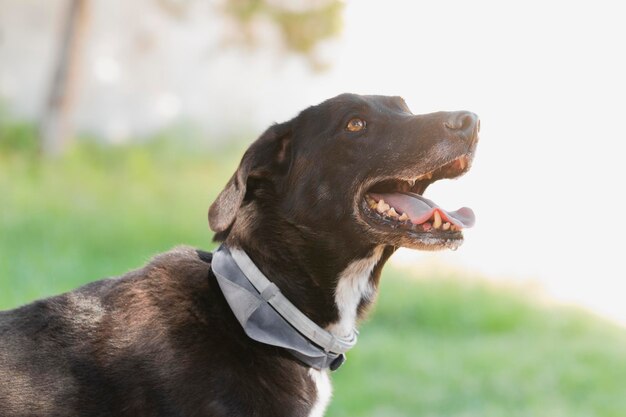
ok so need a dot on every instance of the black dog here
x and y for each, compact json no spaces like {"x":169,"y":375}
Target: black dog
{"x":319,"y":204}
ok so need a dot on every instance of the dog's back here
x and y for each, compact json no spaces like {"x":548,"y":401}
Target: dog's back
{"x":55,"y":351}
{"x":41,"y":346}
{"x":148,"y":343}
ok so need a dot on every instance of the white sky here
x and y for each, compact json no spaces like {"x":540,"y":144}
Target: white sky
{"x":548,"y":81}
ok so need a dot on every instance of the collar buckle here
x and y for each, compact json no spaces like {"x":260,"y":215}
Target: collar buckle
{"x":337,"y":362}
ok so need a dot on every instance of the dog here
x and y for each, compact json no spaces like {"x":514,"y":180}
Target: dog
{"x":316,"y":207}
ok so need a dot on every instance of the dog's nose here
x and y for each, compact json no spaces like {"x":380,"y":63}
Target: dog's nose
{"x":465,"y":123}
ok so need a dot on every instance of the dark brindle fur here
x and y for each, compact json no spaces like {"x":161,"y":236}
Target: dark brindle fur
{"x":161,"y":340}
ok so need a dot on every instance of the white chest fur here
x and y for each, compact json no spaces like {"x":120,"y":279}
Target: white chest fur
{"x":324,"y":392}
{"x":352,"y":286}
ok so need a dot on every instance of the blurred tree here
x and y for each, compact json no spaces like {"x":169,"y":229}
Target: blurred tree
{"x":301,"y":26}
{"x":56,"y":125}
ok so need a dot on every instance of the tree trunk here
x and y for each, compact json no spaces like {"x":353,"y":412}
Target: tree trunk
{"x":56,"y":125}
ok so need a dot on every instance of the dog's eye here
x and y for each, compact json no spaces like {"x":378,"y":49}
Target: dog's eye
{"x":356,"y":124}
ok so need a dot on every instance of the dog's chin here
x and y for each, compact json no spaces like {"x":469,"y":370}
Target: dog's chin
{"x":409,"y":220}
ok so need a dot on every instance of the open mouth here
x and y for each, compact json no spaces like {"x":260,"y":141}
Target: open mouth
{"x":397,"y":207}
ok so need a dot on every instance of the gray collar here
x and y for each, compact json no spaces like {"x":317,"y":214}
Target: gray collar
{"x":268,"y":317}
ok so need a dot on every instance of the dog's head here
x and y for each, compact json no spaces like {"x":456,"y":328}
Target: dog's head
{"x":353,"y":170}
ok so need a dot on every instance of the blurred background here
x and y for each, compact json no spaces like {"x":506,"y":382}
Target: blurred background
{"x":120,"y":122}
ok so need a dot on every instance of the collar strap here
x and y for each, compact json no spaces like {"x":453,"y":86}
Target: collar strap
{"x":271,"y":293}
{"x":266,"y":315}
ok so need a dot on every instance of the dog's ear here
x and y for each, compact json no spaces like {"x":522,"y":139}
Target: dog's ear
{"x":268,"y":156}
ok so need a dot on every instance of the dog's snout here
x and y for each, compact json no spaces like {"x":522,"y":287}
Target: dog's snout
{"x":465,"y":123}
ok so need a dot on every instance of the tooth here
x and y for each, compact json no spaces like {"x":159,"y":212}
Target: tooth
{"x":428,"y":176}
{"x":382,"y":206}
{"x":437,"y":221}
{"x":392,"y":212}
{"x":462,"y":163}
{"x":403,"y":217}
{"x":446,"y":226}
{"x":411,"y":183}
{"x":373,"y":204}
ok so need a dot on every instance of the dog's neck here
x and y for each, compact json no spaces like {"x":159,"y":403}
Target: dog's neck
{"x":331,"y":282}
{"x":355,"y":287}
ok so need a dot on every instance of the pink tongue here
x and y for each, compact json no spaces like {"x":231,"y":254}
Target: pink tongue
{"x":420,"y":209}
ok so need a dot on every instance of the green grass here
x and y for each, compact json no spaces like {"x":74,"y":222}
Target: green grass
{"x":446,"y":346}
{"x":98,"y":212}
{"x":435,"y":346}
